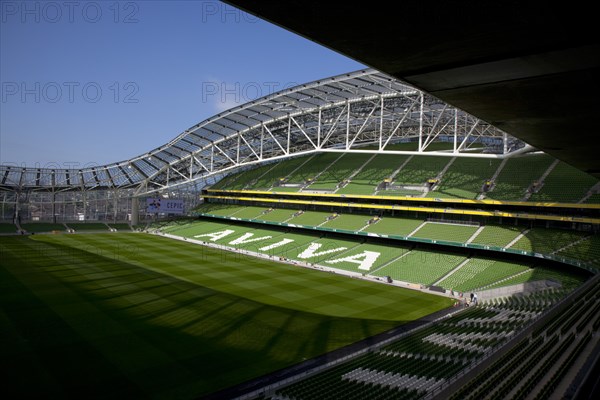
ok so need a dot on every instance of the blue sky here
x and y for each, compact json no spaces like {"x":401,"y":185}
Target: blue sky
{"x":92,"y":82}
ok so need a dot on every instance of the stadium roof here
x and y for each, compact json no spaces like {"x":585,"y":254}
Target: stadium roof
{"x":529,"y":68}
{"x":333,"y":114}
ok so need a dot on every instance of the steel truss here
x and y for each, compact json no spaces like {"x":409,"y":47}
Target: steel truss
{"x":364,"y":111}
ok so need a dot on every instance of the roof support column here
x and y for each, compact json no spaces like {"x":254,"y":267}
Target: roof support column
{"x":237,"y":157}
{"x":289,"y":133}
{"x":319,"y":130}
{"x":421,"y":122}
{"x":84,"y":198}
{"x":262,"y":139}
{"x":135,"y":210}
{"x":380,"y":122}
{"x":455,"y":130}
{"x":347,"y":125}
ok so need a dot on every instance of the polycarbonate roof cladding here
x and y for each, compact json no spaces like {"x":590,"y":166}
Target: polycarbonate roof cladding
{"x":206,"y":147}
{"x":132,"y":172}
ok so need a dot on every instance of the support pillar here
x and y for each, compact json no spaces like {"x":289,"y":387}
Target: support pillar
{"x":135,"y":211}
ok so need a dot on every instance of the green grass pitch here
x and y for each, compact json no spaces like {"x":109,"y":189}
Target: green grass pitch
{"x":138,"y":316}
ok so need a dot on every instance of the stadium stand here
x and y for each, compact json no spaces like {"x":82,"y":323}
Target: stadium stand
{"x":586,"y":249}
{"x":497,"y":235}
{"x":245,"y":179}
{"x":373,"y":173}
{"x":539,"y":240}
{"x":564,"y":184}
{"x":280,"y":171}
{"x":445,"y":231}
{"x":348,"y":222}
{"x":311,"y":218}
{"x":465,"y":178}
{"x":418,"y":364}
{"x":336,"y":173}
{"x":546,"y":241}
{"x":519,"y":179}
{"x":480,"y":272}
{"x":311,"y":169}
{"x":593,"y":199}
{"x":277,"y":215}
{"x":539,"y":273}
{"x":395,"y":226}
{"x":218,"y":209}
{"x":410,"y":268}
{"x":538,"y":363}
{"x":419,"y":169}
{"x":518,"y":175}
{"x":250,"y":212}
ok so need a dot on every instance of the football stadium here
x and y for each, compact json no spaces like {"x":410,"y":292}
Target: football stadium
{"x":354,"y":237}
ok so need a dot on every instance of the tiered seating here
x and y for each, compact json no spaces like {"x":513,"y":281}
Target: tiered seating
{"x":277,"y":215}
{"x":218,"y":209}
{"x":553,"y":382}
{"x":565,"y":184}
{"x":280,"y":170}
{"x":419,"y":169}
{"x":313,"y":168}
{"x":330,"y":385}
{"x":226,"y":181}
{"x":423,"y":267}
{"x":417,"y":363}
{"x":237,"y":211}
{"x":394,"y":226}
{"x":342,"y":169}
{"x":546,"y":241}
{"x":379,"y":168}
{"x":587,"y":249}
{"x":349,"y":222}
{"x":480,"y":272}
{"x":327,"y":244}
{"x":517,"y":176}
{"x":449,"y":232}
{"x":540,"y":240}
{"x":311,"y":218}
{"x":520,"y":371}
{"x":247,"y":179}
{"x":173,"y":226}
{"x":386,"y":254}
{"x":567,"y":280}
{"x":593,"y":199}
{"x":291,"y":250}
{"x":250,"y":212}
{"x":465,"y":178}
{"x":497,"y":235}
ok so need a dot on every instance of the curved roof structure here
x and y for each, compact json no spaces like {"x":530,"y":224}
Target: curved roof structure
{"x":340,"y":113}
